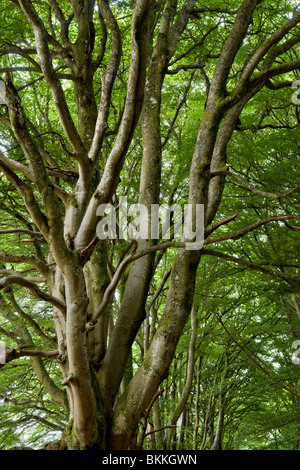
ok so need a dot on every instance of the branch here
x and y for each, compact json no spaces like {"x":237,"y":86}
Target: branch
{"x":179,"y":24}
{"x":34,"y":290}
{"x":85,"y":254}
{"x":267,"y":126}
{"x":231,"y":47}
{"x":291,"y":279}
{"x":184,"y":67}
{"x":108,"y":79}
{"x":130,"y":117}
{"x":214,"y":10}
{"x":243,"y":347}
{"x":154,"y":398}
{"x":28,"y":196}
{"x":37,"y":170}
{"x":26,"y":259}
{"x":278,"y":86}
{"x":12,"y":354}
{"x":21,"y":230}
{"x":133,"y":256}
{"x":181,"y":104}
{"x":36,"y":236}
{"x":194,"y":46}
{"x":160,"y":429}
{"x":158,"y":291}
{"x":12,"y":272}
{"x":110,"y":289}
{"x":242,"y":232}
{"x":278,"y":50}
{"x":291,"y":227}
{"x":263,"y":49}
{"x":265,"y":75}
{"x":42,"y":37}
{"x":16,"y":166}
{"x":214,"y":227}
{"x":100,"y":56}
{"x":36,"y":327}
{"x":64,"y":31}
{"x":13,"y":49}
{"x":255,"y":190}
{"x":249,"y":82}
{"x":54,"y":229}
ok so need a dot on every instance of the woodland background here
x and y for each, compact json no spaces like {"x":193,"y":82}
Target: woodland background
{"x":232,"y":383}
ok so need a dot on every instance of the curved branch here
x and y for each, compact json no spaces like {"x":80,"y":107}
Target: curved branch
{"x":108,"y":79}
{"x":130,"y":117}
{"x":26,"y":259}
{"x":20,"y":230}
{"x":291,"y":279}
{"x":264,"y":48}
{"x":110,"y":289}
{"x":12,"y":354}
{"x":30,"y":202}
{"x":242,"y":232}
{"x":34,"y":325}
{"x":13,"y":49}
{"x":42,"y":38}
{"x":64,"y":32}
{"x":34,"y":290}
{"x":16,"y":166}
{"x":12,"y":272}
{"x":242,"y":20}
{"x":255,"y":190}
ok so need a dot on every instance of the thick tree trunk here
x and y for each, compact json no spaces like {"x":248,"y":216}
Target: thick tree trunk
{"x":179,"y":409}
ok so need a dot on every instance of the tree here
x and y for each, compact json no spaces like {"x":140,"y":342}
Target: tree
{"x":143,"y":99}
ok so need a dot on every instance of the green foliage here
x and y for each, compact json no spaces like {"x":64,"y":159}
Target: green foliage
{"x":246,"y":319}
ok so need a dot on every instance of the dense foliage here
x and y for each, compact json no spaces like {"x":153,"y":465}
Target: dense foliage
{"x":232,"y":383}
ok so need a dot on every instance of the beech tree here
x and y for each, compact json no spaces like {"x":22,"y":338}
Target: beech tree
{"x":143,"y":99}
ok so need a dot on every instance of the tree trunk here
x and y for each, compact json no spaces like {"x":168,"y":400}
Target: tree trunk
{"x":188,"y":382}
